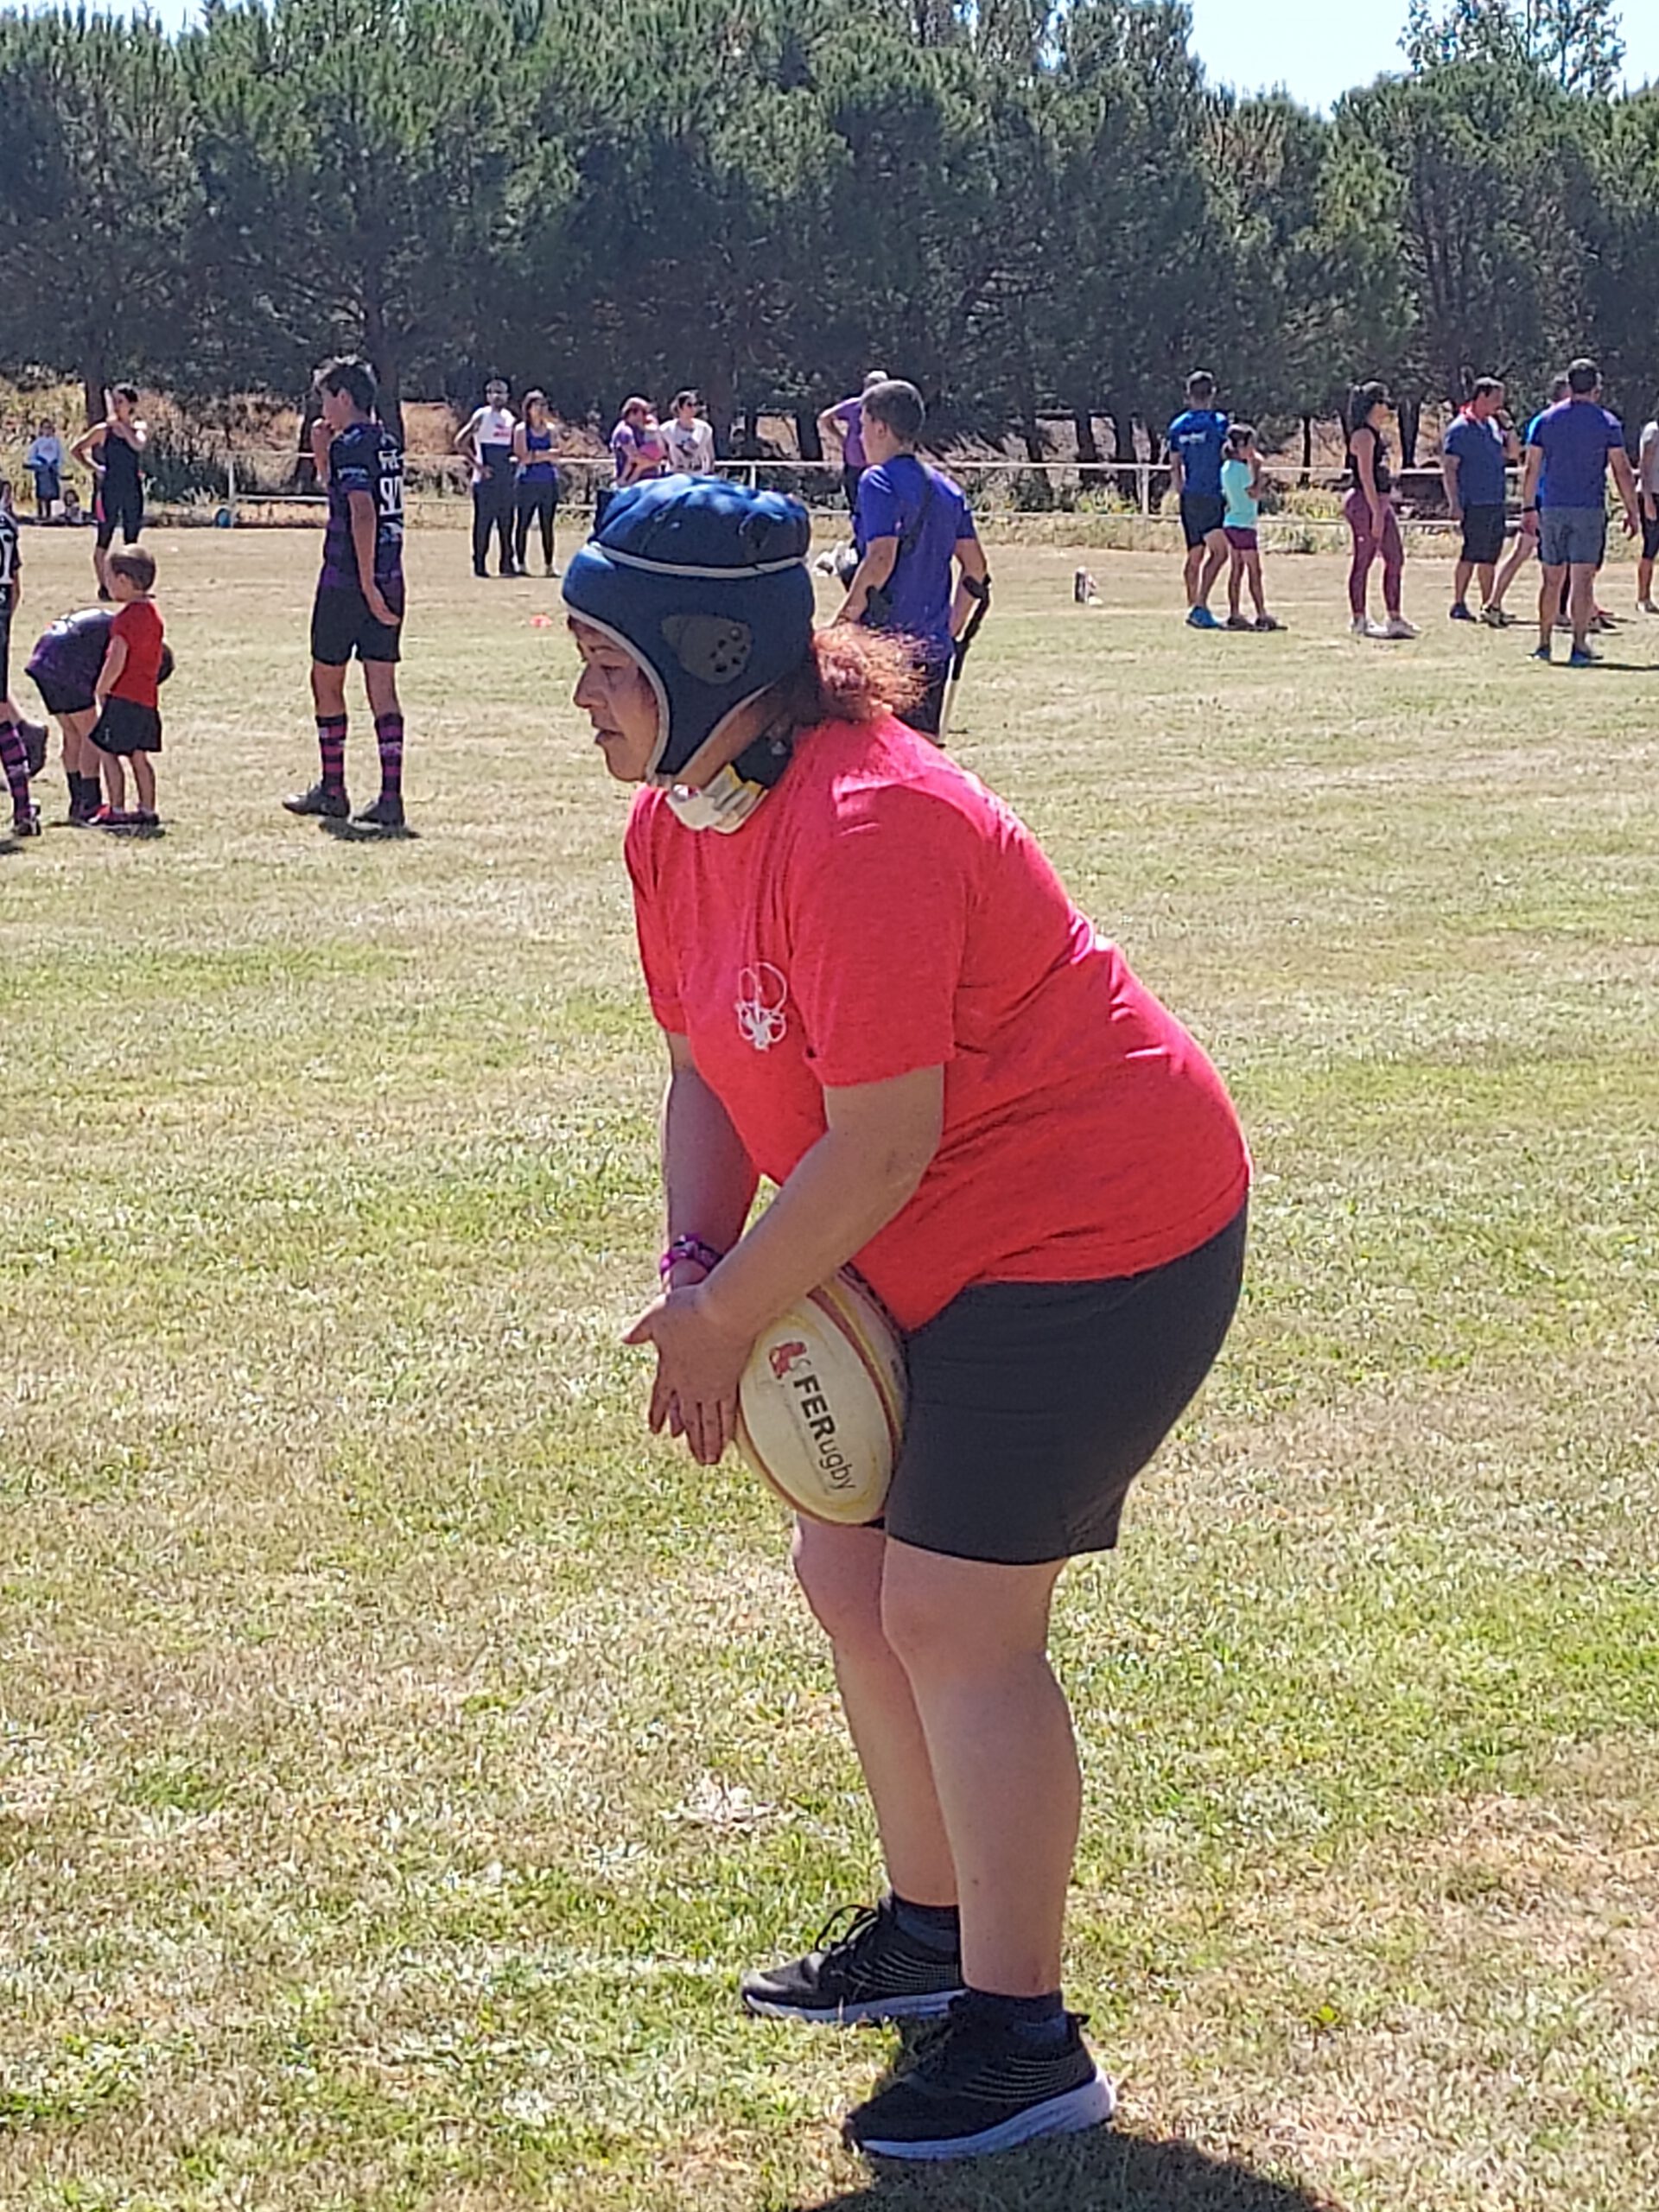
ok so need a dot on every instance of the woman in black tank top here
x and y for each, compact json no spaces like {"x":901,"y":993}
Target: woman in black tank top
{"x":1371,"y":517}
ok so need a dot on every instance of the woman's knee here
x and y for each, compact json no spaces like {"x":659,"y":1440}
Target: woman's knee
{"x":840,"y":1573}
{"x":945,"y":1616}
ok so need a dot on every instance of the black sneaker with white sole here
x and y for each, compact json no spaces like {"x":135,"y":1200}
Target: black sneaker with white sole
{"x":328,"y":800}
{"x":975,"y":2085}
{"x":862,"y":1967}
{"x":382,"y":813}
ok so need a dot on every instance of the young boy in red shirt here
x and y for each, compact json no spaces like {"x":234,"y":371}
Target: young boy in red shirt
{"x":129,"y":725}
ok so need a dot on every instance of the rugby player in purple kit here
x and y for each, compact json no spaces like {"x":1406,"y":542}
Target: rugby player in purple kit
{"x":360,"y":604}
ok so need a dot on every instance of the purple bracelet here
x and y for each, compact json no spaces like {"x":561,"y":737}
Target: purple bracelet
{"x":689,"y":1248}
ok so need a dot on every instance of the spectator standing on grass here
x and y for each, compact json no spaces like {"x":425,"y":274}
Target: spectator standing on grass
{"x":485,"y":438}
{"x":1243,"y":476}
{"x":1526,"y":542}
{"x":842,"y":425}
{"x":1563,"y":501}
{"x":1369,"y":510}
{"x":44,"y":462}
{"x":1196,"y":440}
{"x":689,"y":439}
{"x":921,"y":567}
{"x":14,"y":756}
{"x":1647,"y":472}
{"x":1474,"y":454}
{"x":537,"y":493}
{"x":113,"y":450}
{"x":358,"y":608}
{"x":638,"y":453}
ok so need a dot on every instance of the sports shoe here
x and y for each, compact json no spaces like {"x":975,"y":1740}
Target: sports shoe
{"x":26,"y":821}
{"x":1542,"y":652}
{"x":1397,"y":626}
{"x":1496,"y":619}
{"x":863,"y":1967}
{"x":1458,"y":612}
{"x":1581,"y":656}
{"x":1601,"y":619}
{"x":1238,"y":621}
{"x":327,"y":799}
{"x":382,"y":813}
{"x":975,"y":2085}
{"x":1266,"y":622}
{"x":1363,"y":626}
{"x":1201,"y":618}
{"x":111,"y":817}
{"x":1646,"y":607}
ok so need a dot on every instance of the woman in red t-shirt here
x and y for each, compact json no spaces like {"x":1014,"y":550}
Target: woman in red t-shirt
{"x":875,"y":992}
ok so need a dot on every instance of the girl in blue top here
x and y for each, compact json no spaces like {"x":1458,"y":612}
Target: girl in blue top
{"x":1242,"y":478}
{"x":538,"y":498}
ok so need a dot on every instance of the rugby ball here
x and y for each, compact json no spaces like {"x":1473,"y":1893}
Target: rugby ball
{"x":821,"y":1406}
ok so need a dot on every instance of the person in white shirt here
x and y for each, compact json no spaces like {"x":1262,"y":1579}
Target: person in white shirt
{"x":690,"y":440}
{"x":1647,"y":485}
{"x":485,"y":438}
{"x":44,"y":462}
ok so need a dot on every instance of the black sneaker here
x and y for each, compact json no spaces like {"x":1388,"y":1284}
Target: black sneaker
{"x":974,"y":2085}
{"x":862,"y":1967}
{"x":26,"y":821}
{"x":382,"y":813}
{"x":326,"y":799}
{"x":1459,"y":612}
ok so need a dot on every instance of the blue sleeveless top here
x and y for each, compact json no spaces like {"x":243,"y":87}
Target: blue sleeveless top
{"x":540,"y":471}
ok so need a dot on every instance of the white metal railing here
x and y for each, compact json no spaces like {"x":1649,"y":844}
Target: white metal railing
{"x":594,"y":472}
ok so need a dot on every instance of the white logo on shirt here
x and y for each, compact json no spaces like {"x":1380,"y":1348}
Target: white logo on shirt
{"x":763,"y":994}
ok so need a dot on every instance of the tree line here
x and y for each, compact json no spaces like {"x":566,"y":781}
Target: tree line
{"x":1029,"y":209}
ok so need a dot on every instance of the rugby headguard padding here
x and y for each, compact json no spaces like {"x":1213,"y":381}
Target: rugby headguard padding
{"x":707,"y":585}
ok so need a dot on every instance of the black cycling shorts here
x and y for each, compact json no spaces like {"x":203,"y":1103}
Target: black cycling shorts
{"x":1034,"y":1406}
{"x":127,"y":513}
{"x":342,"y":625}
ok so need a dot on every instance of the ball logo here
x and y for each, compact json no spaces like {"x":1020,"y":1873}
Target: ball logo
{"x":783,"y":1357}
{"x":762,"y":996}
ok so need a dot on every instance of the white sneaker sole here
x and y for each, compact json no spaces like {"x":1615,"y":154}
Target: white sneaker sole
{"x":932,"y":2007}
{"x":1090,"y":2105}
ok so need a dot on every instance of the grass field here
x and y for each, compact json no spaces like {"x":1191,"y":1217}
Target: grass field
{"x":401,"y":1753}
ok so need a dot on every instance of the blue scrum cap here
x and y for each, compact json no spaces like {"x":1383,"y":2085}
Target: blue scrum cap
{"x":706,"y":584}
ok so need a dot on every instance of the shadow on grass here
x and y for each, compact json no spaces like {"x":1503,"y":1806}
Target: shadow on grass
{"x":367,"y":833}
{"x":1101,"y":2171}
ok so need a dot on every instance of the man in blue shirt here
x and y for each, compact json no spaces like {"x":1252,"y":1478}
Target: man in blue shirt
{"x":921,"y":567}
{"x":1197,"y":443}
{"x":1473,"y":456}
{"x":1564,"y":500}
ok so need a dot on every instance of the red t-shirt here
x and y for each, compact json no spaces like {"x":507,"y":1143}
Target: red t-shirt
{"x":881,"y":911}
{"x":140,"y":623}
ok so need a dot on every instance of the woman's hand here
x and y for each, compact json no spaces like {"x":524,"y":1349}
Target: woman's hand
{"x":698,"y":1368}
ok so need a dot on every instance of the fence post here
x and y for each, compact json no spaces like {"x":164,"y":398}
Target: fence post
{"x":1143,"y":473}
{"x":229,"y":484}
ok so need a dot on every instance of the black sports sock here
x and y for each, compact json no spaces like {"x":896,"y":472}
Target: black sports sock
{"x":936,"y":1927}
{"x":1040,"y":2020}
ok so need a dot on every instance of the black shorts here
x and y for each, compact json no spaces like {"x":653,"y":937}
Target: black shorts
{"x":1650,"y":537}
{"x":126,"y":513}
{"x":341,"y":625}
{"x":1202,"y":515}
{"x":1483,"y":536}
{"x":1034,"y":1406}
{"x":125,"y":726}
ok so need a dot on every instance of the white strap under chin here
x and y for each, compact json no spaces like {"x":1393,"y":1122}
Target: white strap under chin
{"x":725,"y":802}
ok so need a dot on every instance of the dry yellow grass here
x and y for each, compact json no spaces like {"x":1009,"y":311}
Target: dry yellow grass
{"x":401,"y":1754}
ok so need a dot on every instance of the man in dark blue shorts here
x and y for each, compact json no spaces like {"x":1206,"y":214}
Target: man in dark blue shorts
{"x":360,"y":604}
{"x":1197,"y":440}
